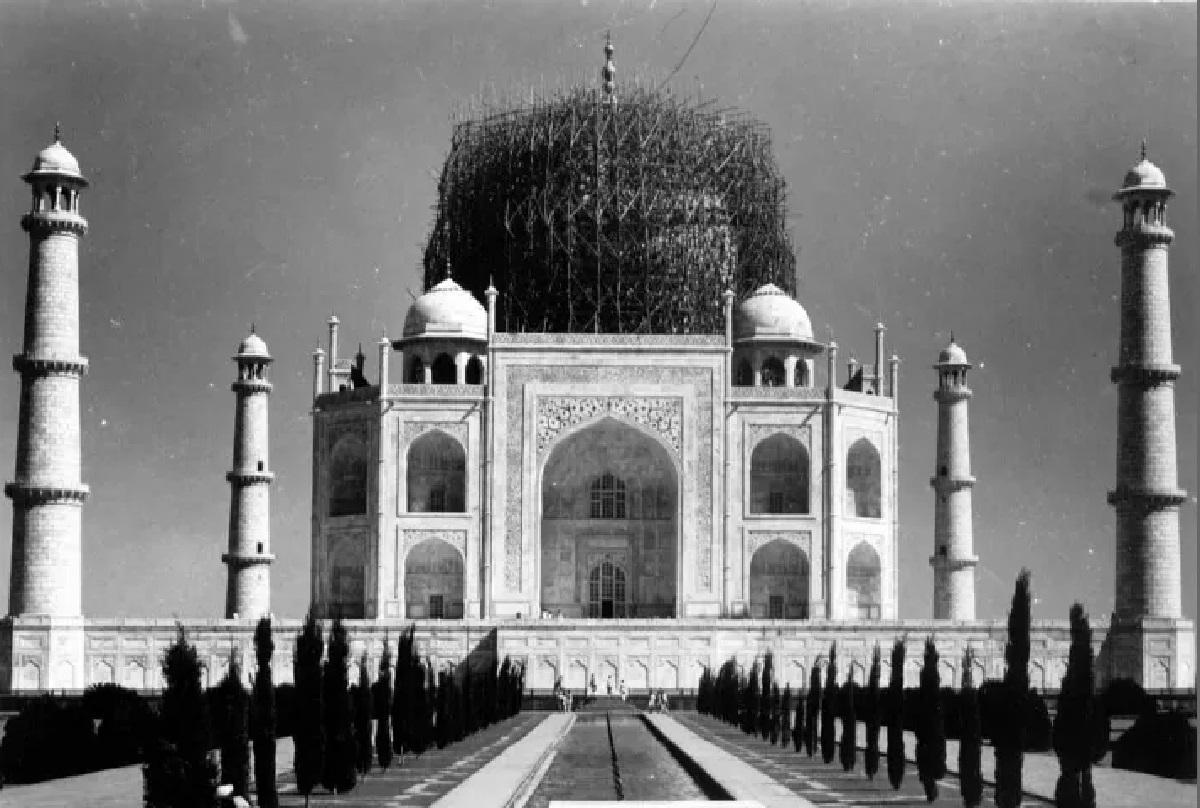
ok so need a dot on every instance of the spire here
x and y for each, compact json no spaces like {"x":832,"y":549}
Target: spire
{"x":1143,"y":148}
{"x":252,"y":331}
{"x":58,"y":134}
{"x":609,"y":72}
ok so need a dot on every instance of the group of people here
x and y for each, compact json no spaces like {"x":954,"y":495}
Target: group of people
{"x":658,"y":699}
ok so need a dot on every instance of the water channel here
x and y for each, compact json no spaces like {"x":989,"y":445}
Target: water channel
{"x":617,"y":756}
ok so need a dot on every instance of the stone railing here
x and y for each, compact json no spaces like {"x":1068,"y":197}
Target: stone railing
{"x":777,"y":393}
{"x":648,"y":341}
{"x":436,"y":390}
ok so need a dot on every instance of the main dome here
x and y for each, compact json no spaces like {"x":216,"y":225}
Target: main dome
{"x":446,"y":310}
{"x":628,"y":215}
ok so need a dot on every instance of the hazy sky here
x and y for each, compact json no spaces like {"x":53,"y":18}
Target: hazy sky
{"x":949,"y":168}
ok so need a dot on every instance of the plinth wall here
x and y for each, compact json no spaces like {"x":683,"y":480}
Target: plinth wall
{"x":39,"y":653}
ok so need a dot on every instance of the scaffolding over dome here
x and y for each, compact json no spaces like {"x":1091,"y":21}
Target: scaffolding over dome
{"x":599,"y":216}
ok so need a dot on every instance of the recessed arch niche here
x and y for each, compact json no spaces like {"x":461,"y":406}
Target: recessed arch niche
{"x":610,"y":494}
{"x":433,"y":581}
{"x":779,"y":581}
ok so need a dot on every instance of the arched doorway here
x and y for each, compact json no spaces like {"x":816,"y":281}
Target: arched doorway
{"x":433,"y":581}
{"x":779,"y":582}
{"x":607,"y":591}
{"x":610,"y":496}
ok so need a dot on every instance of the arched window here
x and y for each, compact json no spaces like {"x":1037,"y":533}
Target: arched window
{"x":745,"y":374}
{"x":863,"y":480}
{"x":348,"y":477}
{"x":437,"y":476}
{"x":772,"y":372}
{"x":474,"y":371}
{"x":801,"y":374}
{"x":416,"y":371}
{"x":608,"y":497}
{"x":863,"y":583}
{"x":444,"y":371}
{"x":779,"y":476}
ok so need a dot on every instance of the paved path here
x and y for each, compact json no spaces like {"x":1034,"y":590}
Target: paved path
{"x":743,"y":779}
{"x":823,"y":784}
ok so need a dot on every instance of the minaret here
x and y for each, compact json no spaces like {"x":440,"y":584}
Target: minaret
{"x":248,"y":594}
{"x":47,"y":492}
{"x":1147,"y":495}
{"x":953,"y":557}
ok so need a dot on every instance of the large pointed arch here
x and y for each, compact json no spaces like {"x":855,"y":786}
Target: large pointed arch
{"x":864,"y":480}
{"x":436,"y":474}
{"x":434,"y":581}
{"x":779,"y":476}
{"x":348,"y":474}
{"x":864,"y":583}
{"x":609,"y":493}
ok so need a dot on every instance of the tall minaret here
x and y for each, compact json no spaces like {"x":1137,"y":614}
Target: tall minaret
{"x":47,"y":492}
{"x":249,"y":558}
{"x":1147,"y":495}
{"x":953,"y":557}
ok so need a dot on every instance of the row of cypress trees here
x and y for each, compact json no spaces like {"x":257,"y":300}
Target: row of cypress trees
{"x":757,"y":706}
{"x":412,"y":709}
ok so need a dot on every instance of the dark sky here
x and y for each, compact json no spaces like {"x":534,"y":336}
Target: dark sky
{"x":949,"y":167}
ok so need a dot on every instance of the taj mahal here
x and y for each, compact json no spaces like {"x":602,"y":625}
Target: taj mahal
{"x":603,"y":442}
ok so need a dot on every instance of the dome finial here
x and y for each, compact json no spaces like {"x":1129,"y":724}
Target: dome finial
{"x":609,"y":72}
{"x":1143,"y":148}
{"x":252,"y":331}
{"x":57,"y":132}
{"x":951,"y":336}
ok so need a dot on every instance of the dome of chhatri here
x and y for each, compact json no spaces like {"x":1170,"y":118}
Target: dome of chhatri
{"x":952,"y":354}
{"x":447,"y":310}
{"x":55,"y":160}
{"x":1145,"y":176}
{"x":771,"y":314}
{"x":253,"y":346}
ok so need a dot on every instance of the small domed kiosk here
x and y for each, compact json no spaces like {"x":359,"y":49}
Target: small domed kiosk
{"x":773,"y":343}
{"x":445,"y":337}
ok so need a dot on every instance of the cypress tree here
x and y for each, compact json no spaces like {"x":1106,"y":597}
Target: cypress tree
{"x":383,"y":724}
{"x":1077,"y":720}
{"x":750,"y":702}
{"x":829,"y":709}
{"x":776,"y":698}
{"x":873,"y":714}
{"x":785,"y":717}
{"x":812,"y":722}
{"x":235,"y":738}
{"x":309,"y":732}
{"x":179,"y":772}
{"x":1009,"y":740}
{"x":849,"y":728}
{"x":764,"y":707}
{"x":970,"y":741}
{"x":362,"y":718}
{"x":341,"y":772}
{"x":895,"y":733}
{"x":264,"y":717}
{"x":469,"y":723}
{"x":443,"y":710}
{"x":931,"y":731}
{"x":799,"y":730}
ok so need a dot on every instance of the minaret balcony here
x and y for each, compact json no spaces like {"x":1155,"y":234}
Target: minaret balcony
{"x":249,"y":560}
{"x":948,"y":484}
{"x":1153,"y":500}
{"x":49,"y":365}
{"x":251,"y":386}
{"x":1144,"y":236}
{"x":48,"y":220}
{"x":1149,"y":375}
{"x":250,"y":477}
{"x":953,"y":563}
{"x":27,"y":494}
{"x":952,"y":394}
